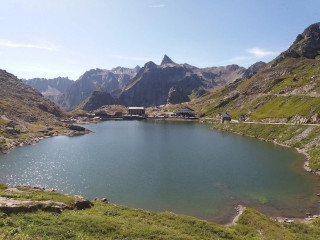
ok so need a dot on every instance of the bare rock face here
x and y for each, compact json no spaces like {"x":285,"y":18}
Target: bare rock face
{"x":82,"y":204}
{"x":177,"y":95}
{"x":170,"y":82}
{"x":98,"y":99}
{"x":107,"y":80}
{"x":307,"y":44}
{"x":166,"y":60}
{"x":76,"y":128}
{"x":10,"y":205}
{"x":253,"y":69}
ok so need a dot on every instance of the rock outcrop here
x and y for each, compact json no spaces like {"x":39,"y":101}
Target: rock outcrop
{"x":20,"y":200}
{"x":177,"y":95}
{"x":173,"y":83}
{"x":253,"y":69}
{"x":166,"y":60}
{"x":98,"y":99}
{"x":110,"y":81}
{"x":307,"y":44}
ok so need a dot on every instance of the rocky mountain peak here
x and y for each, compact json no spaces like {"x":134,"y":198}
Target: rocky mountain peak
{"x":309,"y":41}
{"x":137,"y":68}
{"x":166,"y":60}
{"x":150,"y":65}
{"x":254,"y":68}
{"x":307,"y":44}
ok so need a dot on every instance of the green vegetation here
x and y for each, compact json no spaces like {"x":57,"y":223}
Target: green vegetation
{"x":314,"y":158}
{"x":34,"y":194}
{"x":109,"y":221}
{"x":286,"y":107}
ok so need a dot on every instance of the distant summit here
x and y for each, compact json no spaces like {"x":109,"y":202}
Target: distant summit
{"x":253,"y":69}
{"x":166,"y":60}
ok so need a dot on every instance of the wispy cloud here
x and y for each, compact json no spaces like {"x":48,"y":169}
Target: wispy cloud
{"x":255,"y":53}
{"x":44,"y":46}
{"x":260,"y":53}
{"x":158,"y":6}
{"x":134,"y":58}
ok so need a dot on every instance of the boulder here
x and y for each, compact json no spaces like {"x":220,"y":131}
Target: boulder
{"x":104,"y":200}
{"x":82,"y":204}
{"x":12,"y":131}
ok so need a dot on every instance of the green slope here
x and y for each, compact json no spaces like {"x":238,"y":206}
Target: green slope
{"x":109,"y":221}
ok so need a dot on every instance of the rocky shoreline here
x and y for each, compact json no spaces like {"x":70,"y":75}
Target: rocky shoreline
{"x":11,"y":205}
{"x":239,"y":209}
{"x":16,"y":199}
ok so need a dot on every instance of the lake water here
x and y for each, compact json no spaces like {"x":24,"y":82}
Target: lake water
{"x":183,"y":167}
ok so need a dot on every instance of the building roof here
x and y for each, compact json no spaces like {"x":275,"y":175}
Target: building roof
{"x":185,"y":109}
{"x":140,"y":108}
{"x":225,"y":115}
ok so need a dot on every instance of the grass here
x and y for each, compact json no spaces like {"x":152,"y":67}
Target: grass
{"x":32,"y":194}
{"x":314,"y":158}
{"x":286,"y":107}
{"x":109,"y":221}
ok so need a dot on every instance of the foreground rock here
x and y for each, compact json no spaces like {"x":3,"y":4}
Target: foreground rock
{"x":22,"y":199}
{"x":9,"y":205}
{"x":82,"y":204}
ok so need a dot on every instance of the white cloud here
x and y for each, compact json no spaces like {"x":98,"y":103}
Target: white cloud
{"x":44,"y":46}
{"x":255,"y":53}
{"x":260,"y":53}
{"x":134,"y":58}
{"x":157,"y":6}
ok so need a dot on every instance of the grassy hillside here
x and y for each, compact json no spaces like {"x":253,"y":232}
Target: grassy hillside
{"x":109,"y":221}
{"x":291,"y":89}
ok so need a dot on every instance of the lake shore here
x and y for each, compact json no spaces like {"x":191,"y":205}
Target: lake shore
{"x":21,"y":141}
{"x":302,"y":149}
{"x":72,"y":133}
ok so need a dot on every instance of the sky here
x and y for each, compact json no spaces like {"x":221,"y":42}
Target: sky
{"x":51,"y":38}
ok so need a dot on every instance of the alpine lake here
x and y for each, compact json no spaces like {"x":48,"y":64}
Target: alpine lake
{"x":183,"y":167}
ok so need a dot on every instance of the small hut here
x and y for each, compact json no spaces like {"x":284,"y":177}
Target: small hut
{"x":140,"y":111}
{"x":225,"y":117}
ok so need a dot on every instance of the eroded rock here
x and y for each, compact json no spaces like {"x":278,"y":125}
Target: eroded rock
{"x":82,"y":204}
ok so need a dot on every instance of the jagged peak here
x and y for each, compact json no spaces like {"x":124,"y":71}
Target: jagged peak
{"x":253,"y":69}
{"x":166,"y":60}
{"x":307,"y":44}
{"x":150,"y":65}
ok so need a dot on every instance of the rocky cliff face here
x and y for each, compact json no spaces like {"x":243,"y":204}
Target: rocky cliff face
{"x":44,"y":85}
{"x":98,"y":99}
{"x":253,"y":69}
{"x":172,"y":83}
{"x":108,"y":80}
{"x":53,"y":89}
{"x":307,"y":44}
{"x":166,"y":60}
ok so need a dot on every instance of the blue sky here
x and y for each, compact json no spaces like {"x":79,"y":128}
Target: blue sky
{"x":50,"y":38}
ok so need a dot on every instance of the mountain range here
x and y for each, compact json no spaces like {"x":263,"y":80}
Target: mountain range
{"x":150,"y":85}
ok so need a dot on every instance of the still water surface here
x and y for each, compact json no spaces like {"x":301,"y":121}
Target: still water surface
{"x":184,"y":167}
